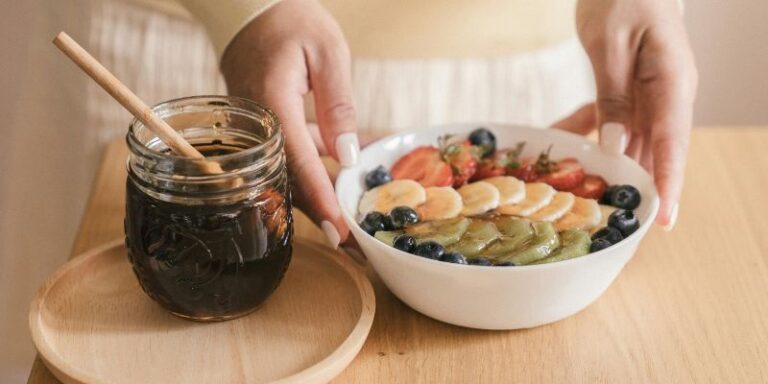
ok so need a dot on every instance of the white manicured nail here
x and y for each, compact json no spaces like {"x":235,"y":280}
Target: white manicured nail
{"x":331,"y":234}
{"x":348,"y":149}
{"x":672,"y":219}
{"x":613,"y":138}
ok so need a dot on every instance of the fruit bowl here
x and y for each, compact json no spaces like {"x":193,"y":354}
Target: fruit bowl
{"x":487,"y":297}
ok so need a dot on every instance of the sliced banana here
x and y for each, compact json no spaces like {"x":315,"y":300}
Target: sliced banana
{"x":479,"y":197}
{"x":511,"y":190}
{"x":393,"y":194}
{"x":537,"y":196}
{"x":442,"y":203}
{"x":585,"y":214}
{"x":560,"y":205}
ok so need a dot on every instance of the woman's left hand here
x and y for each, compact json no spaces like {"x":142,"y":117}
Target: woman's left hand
{"x":646,"y":84}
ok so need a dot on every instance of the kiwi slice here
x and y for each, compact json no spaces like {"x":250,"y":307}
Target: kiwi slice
{"x":574,"y":243}
{"x":445,"y":232}
{"x":479,"y":234}
{"x":543,"y":243}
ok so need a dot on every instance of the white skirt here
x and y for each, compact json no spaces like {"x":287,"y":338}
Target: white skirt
{"x":58,"y":121}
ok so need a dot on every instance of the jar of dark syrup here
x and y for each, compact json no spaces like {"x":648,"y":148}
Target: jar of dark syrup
{"x":209,"y":247}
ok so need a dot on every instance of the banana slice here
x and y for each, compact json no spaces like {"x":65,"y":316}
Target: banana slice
{"x":442,"y":203}
{"x":479,"y":197}
{"x":537,"y":196}
{"x":585,"y":214}
{"x":560,"y":205}
{"x":393,"y":194}
{"x":511,"y":190}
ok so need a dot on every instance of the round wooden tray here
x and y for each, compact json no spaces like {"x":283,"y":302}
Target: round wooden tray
{"x":92,"y":323}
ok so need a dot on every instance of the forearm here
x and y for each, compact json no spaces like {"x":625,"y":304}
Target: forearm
{"x":224,"y":19}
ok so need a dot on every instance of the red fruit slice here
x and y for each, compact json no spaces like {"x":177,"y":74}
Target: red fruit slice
{"x":592,"y":187}
{"x":425,"y":165}
{"x":462,"y":160}
{"x":525,"y":172}
{"x":487,"y":169}
{"x":568,"y":175}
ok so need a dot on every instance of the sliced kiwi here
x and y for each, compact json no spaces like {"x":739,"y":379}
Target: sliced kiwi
{"x":574,"y":243}
{"x":387,"y":237}
{"x":516,"y":234}
{"x":445,"y":232}
{"x":479,"y":234}
{"x":543,"y":243}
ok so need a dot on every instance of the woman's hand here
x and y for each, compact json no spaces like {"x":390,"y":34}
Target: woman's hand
{"x":646,"y":84}
{"x":291,"y":49}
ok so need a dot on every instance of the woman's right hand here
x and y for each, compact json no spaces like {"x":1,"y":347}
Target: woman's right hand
{"x":295,"y":47}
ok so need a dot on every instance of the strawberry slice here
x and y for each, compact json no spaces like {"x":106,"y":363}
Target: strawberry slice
{"x":525,"y":172}
{"x":463,"y":161}
{"x":592,"y":187}
{"x":567,"y":174}
{"x":425,"y":165}
{"x":487,"y":169}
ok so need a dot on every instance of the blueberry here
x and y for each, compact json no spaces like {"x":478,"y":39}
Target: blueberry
{"x":625,"y":221}
{"x":388,"y":225}
{"x":506,"y":264}
{"x":403,"y":217}
{"x":623,"y":196}
{"x":377,"y":177}
{"x":611,"y":234}
{"x":606,"y":198}
{"x":480,"y":261}
{"x":374,"y":222}
{"x":484,"y":139}
{"x":429,"y":249}
{"x":454,"y":257}
{"x":599,"y":244}
{"x":405,"y":243}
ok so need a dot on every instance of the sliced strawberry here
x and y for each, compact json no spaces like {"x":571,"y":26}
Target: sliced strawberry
{"x":487,"y":169}
{"x":463,"y":161}
{"x":425,"y":165}
{"x":439,"y":174}
{"x":567,"y":174}
{"x":592,"y":187}
{"x":526,"y":171}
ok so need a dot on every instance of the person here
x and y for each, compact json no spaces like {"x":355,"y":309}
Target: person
{"x":330,"y":69}
{"x":643,"y":68}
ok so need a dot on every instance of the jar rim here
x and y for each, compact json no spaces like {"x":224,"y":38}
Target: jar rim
{"x":253,"y":109}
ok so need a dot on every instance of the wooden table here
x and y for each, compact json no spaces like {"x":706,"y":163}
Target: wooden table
{"x":692,"y":306}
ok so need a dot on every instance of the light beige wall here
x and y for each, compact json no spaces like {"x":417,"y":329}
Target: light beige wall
{"x":730,"y":40}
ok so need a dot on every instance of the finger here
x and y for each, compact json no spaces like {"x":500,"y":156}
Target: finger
{"x":313,"y":191}
{"x":314,"y":132}
{"x":582,"y":121}
{"x":329,"y":76}
{"x":646,"y":156}
{"x":667,"y":86}
{"x":613,"y":59}
{"x":635,"y":147}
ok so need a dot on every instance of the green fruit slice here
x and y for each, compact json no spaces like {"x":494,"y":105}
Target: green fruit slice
{"x":516,"y":234}
{"x":479,"y":234}
{"x":545,"y":240}
{"x":387,"y":237}
{"x":445,"y":232}
{"x":575,"y":243}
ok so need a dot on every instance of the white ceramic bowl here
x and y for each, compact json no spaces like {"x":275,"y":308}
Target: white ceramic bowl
{"x":498,"y":297}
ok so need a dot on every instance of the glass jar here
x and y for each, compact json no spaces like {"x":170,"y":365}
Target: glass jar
{"x":204,"y":246}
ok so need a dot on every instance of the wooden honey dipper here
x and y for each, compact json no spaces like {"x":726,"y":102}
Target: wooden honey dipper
{"x":131,"y":102}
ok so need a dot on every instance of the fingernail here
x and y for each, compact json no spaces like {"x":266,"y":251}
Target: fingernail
{"x":613,"y":138}
{"x":672,"y":218}
{"x":347,"y":148}
{"x":354,"y":254}
{"x":331,"y":234}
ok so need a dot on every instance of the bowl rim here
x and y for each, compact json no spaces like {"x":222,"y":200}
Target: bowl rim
{"x":636,"y":236}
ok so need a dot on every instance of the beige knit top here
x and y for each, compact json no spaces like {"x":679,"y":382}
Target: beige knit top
{"x":409,"y":28}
